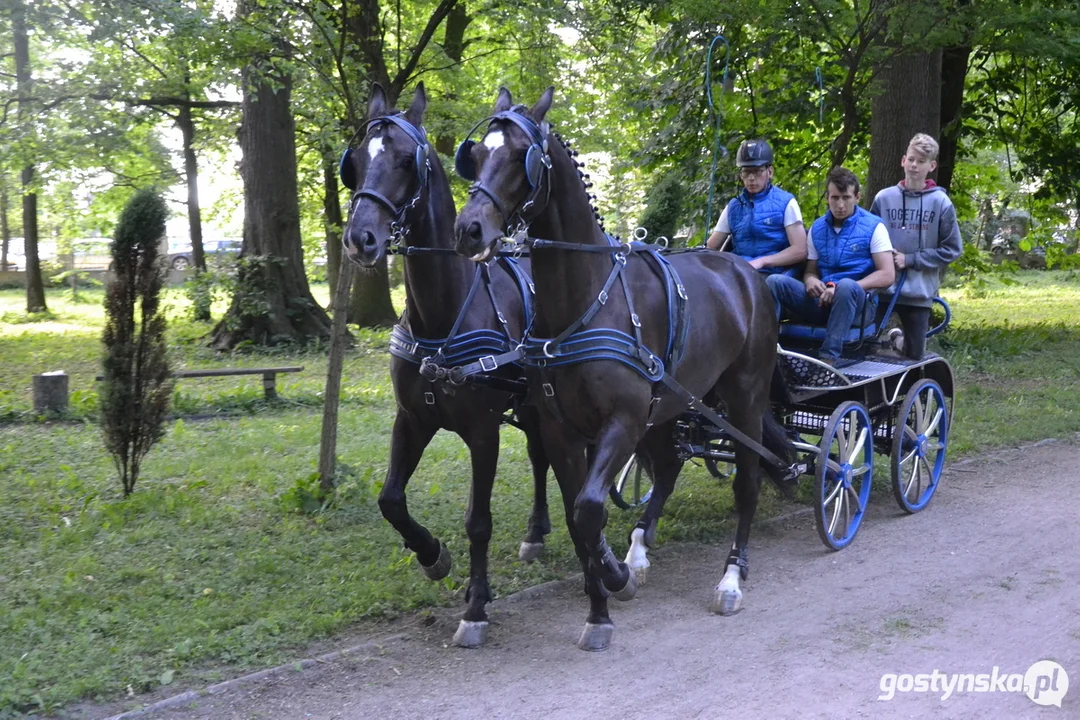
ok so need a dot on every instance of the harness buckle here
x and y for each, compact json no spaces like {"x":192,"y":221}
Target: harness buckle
{"x":635,"y":320}
{"x":682,"y":291}
{"x":548,"y":353}
{"x":499,"y":315}
{"x":602,"y":297}
{"x":488,"y":364}
{"x":549,"y":391}
{"x":429,"y":398}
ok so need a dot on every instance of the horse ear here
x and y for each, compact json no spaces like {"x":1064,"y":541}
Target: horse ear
{"x":539,"y":110}
{"x":415,"y":114}
{"x":504,"y":102}
{"x":377,"y":103}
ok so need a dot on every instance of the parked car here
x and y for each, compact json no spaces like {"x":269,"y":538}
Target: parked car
{"x":181,"y":257}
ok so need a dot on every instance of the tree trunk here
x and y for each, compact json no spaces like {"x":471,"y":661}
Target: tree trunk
{"x":5,"y":228}
{"x":954,"y":67}
{"x":334,"y":222}
{"x":454,"y":48}
{"x":35,"y":289}
{"x":907,"y":101}
{"x":191,"y":172}
{"x":273,"y":303}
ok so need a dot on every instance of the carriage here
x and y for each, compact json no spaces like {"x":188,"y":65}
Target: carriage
{"x":903,"y":406}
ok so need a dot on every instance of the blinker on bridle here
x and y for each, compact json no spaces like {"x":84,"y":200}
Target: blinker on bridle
{"x":537,"y":164}
{"x":423,"y":166}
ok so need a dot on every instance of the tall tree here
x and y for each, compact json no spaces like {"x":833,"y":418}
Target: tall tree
{"x":908,"y":101}
{"x":35,"y":289}
{"x":273,"y":303}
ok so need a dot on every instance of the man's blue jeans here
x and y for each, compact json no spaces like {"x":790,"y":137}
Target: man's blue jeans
{"x":790,"y":294}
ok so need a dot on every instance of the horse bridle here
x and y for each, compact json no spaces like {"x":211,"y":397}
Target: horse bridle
{"x":537,"y":167}
{"x":399,"y":227}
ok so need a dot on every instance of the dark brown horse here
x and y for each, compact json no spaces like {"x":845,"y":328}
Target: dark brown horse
{"x":601,"y":398}
{"x":402,"y":196}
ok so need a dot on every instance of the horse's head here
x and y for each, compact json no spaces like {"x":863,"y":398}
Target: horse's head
{"x":387,"y":174}
{"x":509,"y":168}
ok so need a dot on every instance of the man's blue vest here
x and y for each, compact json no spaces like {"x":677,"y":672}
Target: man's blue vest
{"x":757,"y":223}
{"x":844,"y":254}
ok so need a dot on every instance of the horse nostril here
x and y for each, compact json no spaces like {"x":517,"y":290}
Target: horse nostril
{"x":474,"y":230}
{"x":368,"y":240}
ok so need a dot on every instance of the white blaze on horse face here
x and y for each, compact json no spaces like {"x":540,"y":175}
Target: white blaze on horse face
{"x":374,"y":147}
{"x":494,"y":140}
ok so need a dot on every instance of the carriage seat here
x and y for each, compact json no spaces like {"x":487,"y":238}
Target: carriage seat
{"x":863,"y":328}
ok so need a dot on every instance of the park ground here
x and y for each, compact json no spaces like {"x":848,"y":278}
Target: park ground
{"x":222,"y":563}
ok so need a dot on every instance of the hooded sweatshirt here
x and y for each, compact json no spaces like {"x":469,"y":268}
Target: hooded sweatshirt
{"x":922,"y":225}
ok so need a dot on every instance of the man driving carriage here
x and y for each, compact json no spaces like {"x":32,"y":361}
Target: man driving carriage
{"x":764,"y":222}
{"x":849,"y":254}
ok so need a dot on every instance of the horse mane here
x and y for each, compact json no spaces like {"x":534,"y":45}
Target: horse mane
{"x":583,"y":176}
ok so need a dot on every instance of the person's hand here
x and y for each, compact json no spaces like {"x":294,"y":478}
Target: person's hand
{"x":814,"y":286}
{"x":757,"y":263}
{"x":827,"y":295}
{"x":898,"y":260}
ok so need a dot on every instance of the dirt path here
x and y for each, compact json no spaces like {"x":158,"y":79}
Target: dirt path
{"x":987,"y":576}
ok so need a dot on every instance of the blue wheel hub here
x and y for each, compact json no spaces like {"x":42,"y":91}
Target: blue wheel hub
{"x":921,"y":444}
{"x":846,"y":473}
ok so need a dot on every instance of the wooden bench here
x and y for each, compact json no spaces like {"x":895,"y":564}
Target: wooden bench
{"x":269,"y":375}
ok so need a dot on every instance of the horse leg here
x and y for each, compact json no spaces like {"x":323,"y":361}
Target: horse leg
{"x":660,"y":456}
{"x":539,"y":521}
{"x":407,"y":444}
{"x":568,"y":461}
{"x":484,"y":450}
{"x":611,"y":451}
{"x":747,"y":416}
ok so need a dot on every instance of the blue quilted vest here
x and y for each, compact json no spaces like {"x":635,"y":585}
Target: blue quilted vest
{"x":845,"y":254}
{"x":757,"y":223}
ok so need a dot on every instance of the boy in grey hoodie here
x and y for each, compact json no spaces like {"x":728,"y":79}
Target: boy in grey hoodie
{"x":925,"y":236}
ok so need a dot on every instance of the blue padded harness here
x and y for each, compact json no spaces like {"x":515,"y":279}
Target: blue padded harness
{"x":577,"y":344}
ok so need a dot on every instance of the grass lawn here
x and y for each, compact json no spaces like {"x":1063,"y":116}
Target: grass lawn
{"x":209,"y":568}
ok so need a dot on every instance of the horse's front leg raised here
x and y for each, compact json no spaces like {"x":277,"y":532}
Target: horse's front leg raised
{"x":483,"y":445}
{"x":407,"y":443}
{"x":611,"y":451}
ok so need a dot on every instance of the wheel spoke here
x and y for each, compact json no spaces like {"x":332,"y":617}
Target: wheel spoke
{"x":859,"y":444}
{"x":855,"y":497}
{"x":918,"y":480}
{"x":836,"y":515}
{"x":928,"y":470}
{"x":847,"y":514}
{"x":833,"y":493}
{"x":861,"y":471}
{"x":841,"y":441}
{"x":934,"y":423}
{"x":637,"y":484}
{"x":911,"y":479}
{"x":919,"y":424}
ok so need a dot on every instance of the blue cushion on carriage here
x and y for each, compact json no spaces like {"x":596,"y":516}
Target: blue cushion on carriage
{"x":796,"y":331}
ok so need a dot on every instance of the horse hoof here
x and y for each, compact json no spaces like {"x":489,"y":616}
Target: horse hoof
{"x":726,"y":602}
{"x":641,"y":575}
{"x":629,"y":590}
{"x":530,"y":551}
{"x":596,"y":637}
{"x":471,"y":634}
{"x":441,"y":567}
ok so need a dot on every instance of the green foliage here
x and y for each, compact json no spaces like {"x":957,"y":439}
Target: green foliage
{"x":662,"y":210}
{"x":203,"y":288}
{"x":136,"y":386}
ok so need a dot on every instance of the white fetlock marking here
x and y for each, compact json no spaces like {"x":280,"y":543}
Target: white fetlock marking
{"x":637,"y":557}
{"x":528,"y":552}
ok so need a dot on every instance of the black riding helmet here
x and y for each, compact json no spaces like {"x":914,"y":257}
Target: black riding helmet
{"x":754,"y":153}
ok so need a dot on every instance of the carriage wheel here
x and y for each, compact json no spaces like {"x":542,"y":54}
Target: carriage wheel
{"x":633,"y":486}
{"x":844,"y":470}
{"x":918,"y":446}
